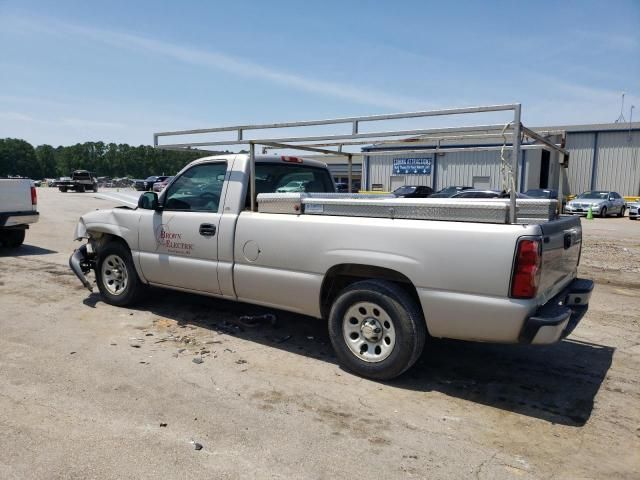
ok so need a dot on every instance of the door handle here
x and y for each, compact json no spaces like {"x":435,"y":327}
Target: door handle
{"x":207,"y":229}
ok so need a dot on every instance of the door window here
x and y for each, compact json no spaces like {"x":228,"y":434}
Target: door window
{"x":198,"y":189}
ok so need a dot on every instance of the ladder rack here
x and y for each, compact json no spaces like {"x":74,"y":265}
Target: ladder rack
{"x":335,"y":144}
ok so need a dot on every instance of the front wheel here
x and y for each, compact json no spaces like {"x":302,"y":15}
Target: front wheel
{"x":603,"y":212}
{"x":63,"y":189}
{"x":116,"y":275}
{"x":377,"y":330}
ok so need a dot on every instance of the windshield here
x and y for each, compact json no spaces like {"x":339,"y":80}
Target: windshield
{"x":404,"y":190}
{"x":594,"y":195}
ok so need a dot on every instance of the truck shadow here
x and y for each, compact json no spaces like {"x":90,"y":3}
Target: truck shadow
{"x":24,"y":251}
{"x":556,"y":383}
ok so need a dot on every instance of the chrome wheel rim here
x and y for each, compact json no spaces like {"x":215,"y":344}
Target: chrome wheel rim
{"x":114,"y":275}
{"x":368,"y":331}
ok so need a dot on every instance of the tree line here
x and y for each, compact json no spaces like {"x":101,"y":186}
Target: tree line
{"x":20,"y":158}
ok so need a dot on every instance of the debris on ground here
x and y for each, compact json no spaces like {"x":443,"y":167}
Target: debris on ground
{"x":197,"y":360}
{"x":282,"y":339}
{"x":197,"y":446}
{"x":162,"y":424}
{"x":253,"y":321}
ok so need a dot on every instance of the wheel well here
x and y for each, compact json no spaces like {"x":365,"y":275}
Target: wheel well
{"x":104,"y":238}
{"x":341,"y":276}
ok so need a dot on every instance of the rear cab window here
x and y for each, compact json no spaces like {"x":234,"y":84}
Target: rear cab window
{"x":290,"y":178}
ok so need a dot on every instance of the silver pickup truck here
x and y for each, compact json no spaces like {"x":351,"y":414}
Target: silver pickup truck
{"x":18,"y":209}
{"x":384,"y":281}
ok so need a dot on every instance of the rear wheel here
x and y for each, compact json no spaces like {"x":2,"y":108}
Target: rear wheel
{"x":376,"y":329}
{"x":116,"y":275}
{"x":12,"y":238}
{"x":63,"y":189}
{"x":621,"y":214}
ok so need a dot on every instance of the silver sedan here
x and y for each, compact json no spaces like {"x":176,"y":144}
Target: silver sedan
{"x":601,"y":202}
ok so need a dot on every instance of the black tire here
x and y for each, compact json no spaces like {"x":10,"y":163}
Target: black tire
{"x":12,"y":238}
{"x":132,"y":287}
{"x":603,"y":212}
{"x":621,"y":214}
{"x":80,"y":188}
{"x":407,"y":325}
{"x":63,"y":189}
{"x":95,"y":188}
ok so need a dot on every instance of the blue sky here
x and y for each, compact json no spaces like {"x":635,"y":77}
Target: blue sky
{"x":120,"y":70}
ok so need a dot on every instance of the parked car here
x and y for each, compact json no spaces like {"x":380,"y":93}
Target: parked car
{"x":294,"y":186}
{"x":413,"y":191}
{"x":486,"y":194}
{"x":342,"y":188}
{"x":161,"y":185}
{"x":450,"y":191}
{"x":547,"y":194}
{"x":634,"y":210}
{"x":602,"y":203}
{"x":18,"y":210}
{"x":147,"y":183}
{"x":380,"y":283}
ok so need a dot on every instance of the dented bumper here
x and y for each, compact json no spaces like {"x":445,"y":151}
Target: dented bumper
{"x":81,"y":263}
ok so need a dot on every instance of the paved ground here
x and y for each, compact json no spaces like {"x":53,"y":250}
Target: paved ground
{"x":87,"y":388}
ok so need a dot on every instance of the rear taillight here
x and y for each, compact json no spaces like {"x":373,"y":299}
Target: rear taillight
{"x":526,"y":272}
{"x":34,"y":196}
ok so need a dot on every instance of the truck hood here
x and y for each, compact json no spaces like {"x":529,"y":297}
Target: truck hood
{"x":99,"y":220}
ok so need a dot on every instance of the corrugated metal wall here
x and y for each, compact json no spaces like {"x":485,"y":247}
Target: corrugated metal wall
{"x":459,"y":168}
{"x":617,"y":164}
{"x":381,"y":170}
{"x":580,"y":146}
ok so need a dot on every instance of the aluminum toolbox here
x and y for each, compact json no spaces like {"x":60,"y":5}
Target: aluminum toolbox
{"x":419,"y":209}
{"x":445,"y":209}
{"x":292,"y":202}
{"x":280,"y":202}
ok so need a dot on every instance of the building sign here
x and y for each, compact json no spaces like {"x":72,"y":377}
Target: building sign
{"x":412,"y":166}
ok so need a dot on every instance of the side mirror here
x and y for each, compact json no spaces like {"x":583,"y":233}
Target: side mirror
{"x":148,"y":201}
{"x":611,"y":199}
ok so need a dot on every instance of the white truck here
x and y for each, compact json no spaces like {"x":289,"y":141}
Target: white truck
{"x":384,"y":273}
{"x":18,"y":209}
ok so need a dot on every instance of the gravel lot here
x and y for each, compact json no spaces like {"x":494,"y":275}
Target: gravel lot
{"x":94,"y":391}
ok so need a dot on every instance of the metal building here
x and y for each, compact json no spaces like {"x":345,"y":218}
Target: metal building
{"x":604,"y":156}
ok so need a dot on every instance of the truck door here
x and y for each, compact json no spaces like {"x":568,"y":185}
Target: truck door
{"x":179,"y":242}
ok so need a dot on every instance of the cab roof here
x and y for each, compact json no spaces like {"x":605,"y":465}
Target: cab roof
{"x":286,"y":159}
